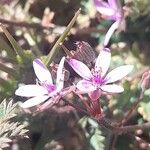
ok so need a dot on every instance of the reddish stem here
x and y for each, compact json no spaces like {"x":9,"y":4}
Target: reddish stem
{"x":86,"y":104}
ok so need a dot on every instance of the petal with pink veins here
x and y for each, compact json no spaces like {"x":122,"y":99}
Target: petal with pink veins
{"x":118,"y":73}
{"x":103,"y":61}
{"x":85,"y":86}
{"x":31,"y":90}
{"x":80,"y":68}
{"x":34,"y":101}
{"x":42,"y":72}
{"x":112,"y":88}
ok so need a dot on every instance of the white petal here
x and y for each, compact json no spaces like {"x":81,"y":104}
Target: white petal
{"x":60,"y":74}
{"x":34,"y":101}
{"x":103,"y":61}
{"x":85,"y":86}
{"x":60,"y":86}
{"x":110,"y":32}
{"x":80,"y":68}
{"x":118,"y":73}
{"x":112,"y":88}
{"x":42,"y":72}
{"x":113,"y":4}
{"x":104,"y":8}
{"x":31,"y":90}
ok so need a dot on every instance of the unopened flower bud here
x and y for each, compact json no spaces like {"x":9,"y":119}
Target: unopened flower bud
{"x":145,"y":82}
{"x":84,"y":52}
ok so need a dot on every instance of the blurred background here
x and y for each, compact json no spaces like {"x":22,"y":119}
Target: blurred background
{"x":36,"y":25}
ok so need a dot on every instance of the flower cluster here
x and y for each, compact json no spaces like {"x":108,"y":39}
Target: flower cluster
{"x":111,"y":10}
{"x":94,"y":82}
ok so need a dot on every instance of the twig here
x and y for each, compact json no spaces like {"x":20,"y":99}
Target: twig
{"x":39,"y":26}
{"x":23,"y":24}
{"x":76,"y":107}
{"x":85,"y":103}
{"x":126,"y":118}
{"x":88,"y":30}
{"x":122,"y":130}
{"x":12,"y":72}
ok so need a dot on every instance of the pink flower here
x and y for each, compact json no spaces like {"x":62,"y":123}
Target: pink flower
{"x":97,"y":80}
{"x":39,"y":93}
{"x":111,"y":10}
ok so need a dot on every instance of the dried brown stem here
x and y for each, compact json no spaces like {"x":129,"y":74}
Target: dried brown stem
{"x":38,"y":26}
{"x":76,"y":107}
{"x":122,"y":130}
{"x":23,"y":24}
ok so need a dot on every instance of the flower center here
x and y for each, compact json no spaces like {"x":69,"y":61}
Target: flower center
{"x":49,"y":87}
{"x":97,"y":79}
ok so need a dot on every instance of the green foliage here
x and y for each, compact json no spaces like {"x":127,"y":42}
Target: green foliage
{"x":8,"y":129}
{"x":23,"y":42}
{"x":144,"y":108}
{"x":93,"y":133}
{"x":125,"y":142}
{"x":97,"y":140}
{"x":9,"y":59}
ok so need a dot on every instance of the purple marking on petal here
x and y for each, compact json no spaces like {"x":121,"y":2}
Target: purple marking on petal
{"x":51,"y":88}
{"x":40,"y":63}
{"x":80,"y":68}
{"x":97,"y":80}
{"x":106,"y":49}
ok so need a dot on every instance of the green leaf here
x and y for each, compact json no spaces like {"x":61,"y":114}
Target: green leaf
{"x":7,"y":109}
{"x":97,"y":140}
{"x":8,"y":129}
{"x":83,"y":122}
{"x":144,"y":108}
{"x":13,"y":42}
{"x":4,"y":46}
{"x":4,"y":142}
{"x":12,"y":72}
